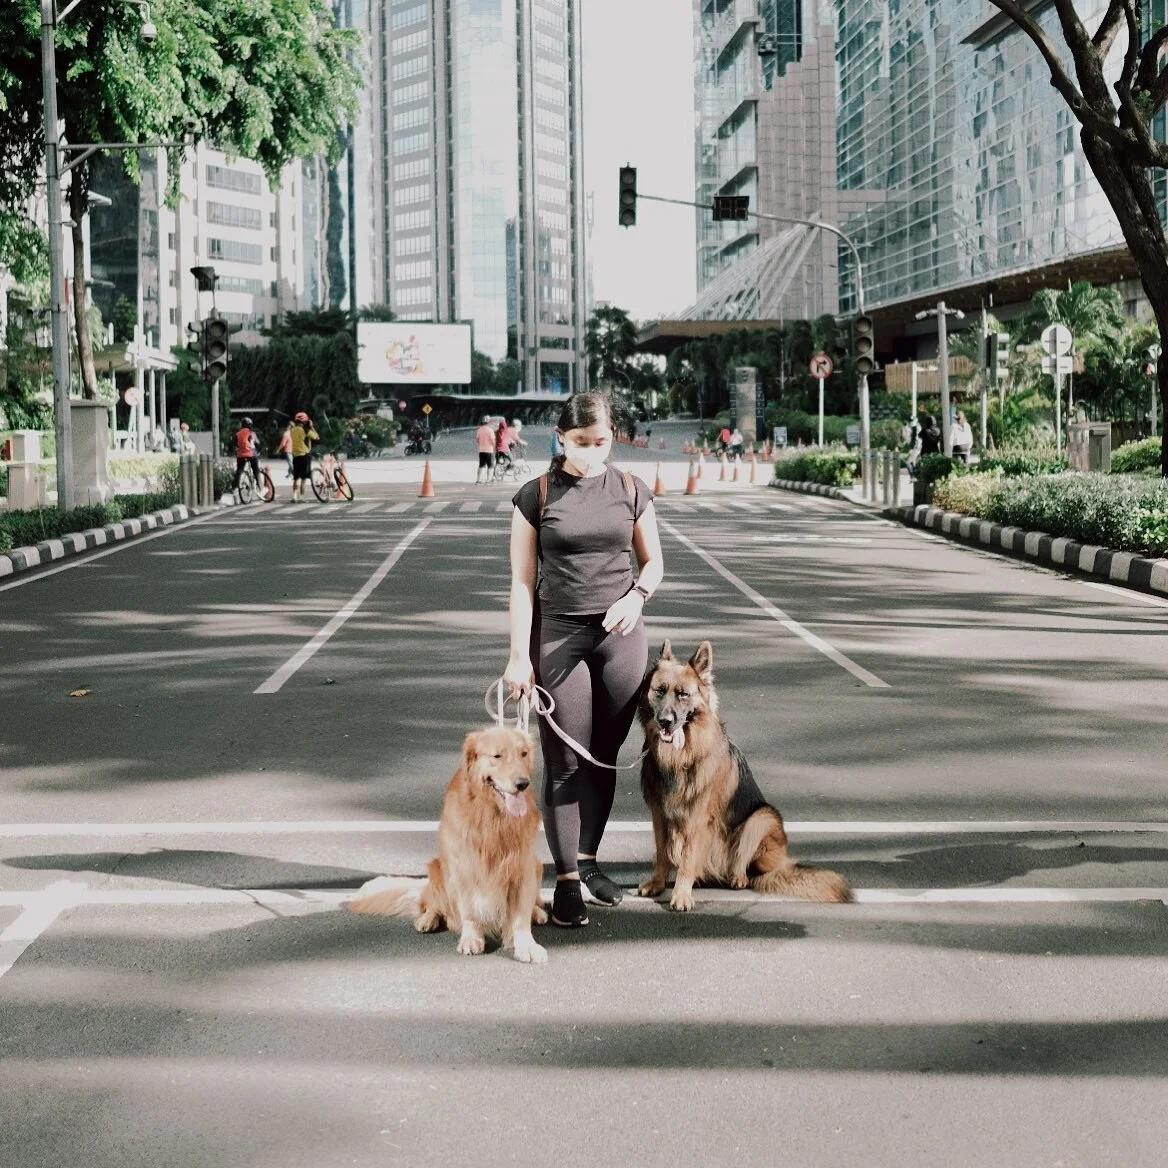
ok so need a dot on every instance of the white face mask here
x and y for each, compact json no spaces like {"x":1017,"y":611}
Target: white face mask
{"x":587,"y":458}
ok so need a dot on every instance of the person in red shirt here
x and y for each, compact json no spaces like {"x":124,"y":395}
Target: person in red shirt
{"x":246,"y":450}
{"x":485,"y":441}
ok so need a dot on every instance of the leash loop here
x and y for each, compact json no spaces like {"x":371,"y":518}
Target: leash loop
{"x":544,"y":705}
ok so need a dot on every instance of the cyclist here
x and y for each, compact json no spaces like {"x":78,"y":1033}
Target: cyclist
{"x":303,"y":435}
{"x":503,"y":439}
{"x":246,"y":450}
{"x":518,"y":442}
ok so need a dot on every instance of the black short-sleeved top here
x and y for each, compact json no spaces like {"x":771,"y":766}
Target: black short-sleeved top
{"x":585,"y":538}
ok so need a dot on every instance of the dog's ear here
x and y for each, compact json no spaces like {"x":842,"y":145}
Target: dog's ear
{"x":470,"y":745}
{"x":666,"y":653}
{"x":702,"y":661}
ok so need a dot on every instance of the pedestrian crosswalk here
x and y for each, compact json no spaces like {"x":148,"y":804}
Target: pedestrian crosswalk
{"x":696,"y":505}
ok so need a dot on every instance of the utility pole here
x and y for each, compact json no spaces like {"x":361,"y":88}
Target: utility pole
{"x":942,"y":312}
{"x":985,"y":374}
{"x":62,"y":419}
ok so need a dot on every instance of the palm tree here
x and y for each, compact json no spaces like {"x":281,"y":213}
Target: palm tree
{"x":610,"y":338}
{"x":1094,"y":315}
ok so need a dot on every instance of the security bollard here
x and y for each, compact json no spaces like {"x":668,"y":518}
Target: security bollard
{"x":886,"y":476}
{"x":206,"y":481}
{"x":186,"y":480}
{"x":896,"y":477}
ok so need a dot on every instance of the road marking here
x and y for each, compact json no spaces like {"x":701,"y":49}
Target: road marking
{"x":362,"y":508}
{"x":276,"y":681}
{"x":84,"y":558}
{"x":41,"y":909}
{"x":474,"y":505}
{"x":777,"y":614}
{"x":825,"y":827}
{"x":1127,"y":593}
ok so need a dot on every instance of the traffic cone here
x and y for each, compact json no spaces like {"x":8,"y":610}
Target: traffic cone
{"x":737,"y":464}
{"x":658,"y":486}
{"x":701,"y":463}
{"x":753,"y":460}
{"x":660,"y":443}
{"x":691,"y":483}
{"x":427,"y":491}
{"x":706,"y":446}
{"x":722,"y":470}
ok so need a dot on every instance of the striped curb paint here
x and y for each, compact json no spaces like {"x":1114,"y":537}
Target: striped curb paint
{"x":22,"y":559}
{"x":1135,"y":571}
{"x":810,"y":488}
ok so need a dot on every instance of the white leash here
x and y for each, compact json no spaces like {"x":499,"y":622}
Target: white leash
{"x":544,"y":708}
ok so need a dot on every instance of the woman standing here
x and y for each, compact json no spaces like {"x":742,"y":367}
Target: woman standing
{"x":575,"y":533}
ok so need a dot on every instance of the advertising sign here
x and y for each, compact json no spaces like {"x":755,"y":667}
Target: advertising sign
{"x":745,"y":401}
{"x":412,"y":353}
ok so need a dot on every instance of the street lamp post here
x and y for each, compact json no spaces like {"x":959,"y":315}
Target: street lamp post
{"x":941,"y":312}
{"x":62,"y":427}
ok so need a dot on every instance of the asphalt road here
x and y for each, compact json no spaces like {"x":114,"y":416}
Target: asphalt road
{"x":975,"y":742}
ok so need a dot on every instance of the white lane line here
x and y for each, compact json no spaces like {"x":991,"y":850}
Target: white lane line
{"x":397,"y":508}
{"x":474,"y":505}
{"x":825,"y":827}
{"x":121,"y":546}
{"x":41,"y":909}
{"x":1126,"y":593}
{"x":777,"y":614}
{"x":273,"y":683}
{"x":362,"y":508}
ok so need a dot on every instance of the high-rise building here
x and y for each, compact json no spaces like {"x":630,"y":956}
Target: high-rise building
{"x":474,"y":195}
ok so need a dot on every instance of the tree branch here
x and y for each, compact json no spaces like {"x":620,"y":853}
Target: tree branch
{"x":1149,"y":70}
{"x":1131,"y":56}
{"x":1104,"y":36}
{"x":1090,"y":117}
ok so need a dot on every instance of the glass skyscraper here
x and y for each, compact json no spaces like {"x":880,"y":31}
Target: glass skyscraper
{"x":475,"y":115}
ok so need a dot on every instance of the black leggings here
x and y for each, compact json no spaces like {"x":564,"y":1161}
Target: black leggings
{"x":594,"y":678}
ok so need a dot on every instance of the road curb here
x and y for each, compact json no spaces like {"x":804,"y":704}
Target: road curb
{"x":810,"y":488}
{"x":23,"y":559}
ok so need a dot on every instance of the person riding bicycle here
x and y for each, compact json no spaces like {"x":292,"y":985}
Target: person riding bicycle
{"x":303,"y":435}
{"x":518,"y":443}
{"x":503,"y":439}
{"x":246,"y":451}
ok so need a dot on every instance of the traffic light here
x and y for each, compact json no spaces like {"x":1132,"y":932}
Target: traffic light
{"x":731,"y":207}
{"x":215,"y":330}
{"x":864,"y":344}
{"x":627,"y":198}
{"x":997,"y":355}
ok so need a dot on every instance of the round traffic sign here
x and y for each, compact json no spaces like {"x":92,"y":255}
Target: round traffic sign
{"x":820,"y":366}
{"x":1056,"y":340}
{"x":132,"y":396}
{"x":401,"y":405}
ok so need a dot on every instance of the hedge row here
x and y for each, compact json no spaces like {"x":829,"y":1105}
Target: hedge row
{"x":1124,"y":512}
{"x":833,"y":468}
{"x":24,"y":528}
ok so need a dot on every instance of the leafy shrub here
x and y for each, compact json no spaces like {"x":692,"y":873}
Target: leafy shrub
{"x":1136,"y":456}
{"x":931,"y":468}
{"x":1015,"y":463}
{"x":833,"y":468}
{"x":24,"y":528}
{"x":1152,"y":529}
{"x":5,"y":540}
{"x":969,"y":494}
{"x":1109,"y":510}
{"x":141,"y":466}
{"x":135,"y":506}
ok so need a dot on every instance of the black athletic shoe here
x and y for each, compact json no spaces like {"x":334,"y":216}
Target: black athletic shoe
{"x":568,"y":905}
{"x":599,"y":885}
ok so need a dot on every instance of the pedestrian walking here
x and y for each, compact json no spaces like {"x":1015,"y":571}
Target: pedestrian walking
{"x":577,"y":631}
{"x":930,"y":436}
{"x":303,"y":434}
{"x":485,"y":442}
{"x":910,"y":439}
{"x":736,"y":442}
{"x":962,"y":435}
{"x":285,"y":448}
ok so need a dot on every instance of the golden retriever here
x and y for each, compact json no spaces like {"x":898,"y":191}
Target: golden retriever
{"x":486,"y":876}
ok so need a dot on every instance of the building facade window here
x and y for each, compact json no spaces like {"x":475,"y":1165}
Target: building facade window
{"x":235,"y":251}
{"x":411,"y":144}
{"x":418,"y":270}
{"x":410,"y":67}
{"x":412,"y":245}
{"x":229,"y":215}
{"x":231,"y":179}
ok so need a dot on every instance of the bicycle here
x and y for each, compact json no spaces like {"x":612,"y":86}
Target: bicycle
{"x":329,"y":481}
{"x":514,"y":464}
{"x":248,"y":487}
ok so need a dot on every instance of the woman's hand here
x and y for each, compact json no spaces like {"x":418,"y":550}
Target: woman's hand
{"x":519,"y":676}
{"x":624,"y":614}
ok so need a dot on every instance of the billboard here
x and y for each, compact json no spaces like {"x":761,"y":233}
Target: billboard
{"x":412,"y":353}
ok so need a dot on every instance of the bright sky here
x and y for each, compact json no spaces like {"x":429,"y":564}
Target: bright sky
{"x":639,"y":110}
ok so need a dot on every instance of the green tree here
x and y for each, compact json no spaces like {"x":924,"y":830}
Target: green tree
{"x":1094,"y":316}
{"x":482,"y":373}
{"x":270,"y":80}
{"x":610,"y":339}
{"x":508,"y":377}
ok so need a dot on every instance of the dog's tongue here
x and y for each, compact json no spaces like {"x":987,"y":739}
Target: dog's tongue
{"x":674,"y":736}
{"x":516,"y":804}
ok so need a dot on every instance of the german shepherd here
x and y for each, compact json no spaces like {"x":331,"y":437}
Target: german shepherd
{"x":486,"y":876}
{"x":710,"y":821}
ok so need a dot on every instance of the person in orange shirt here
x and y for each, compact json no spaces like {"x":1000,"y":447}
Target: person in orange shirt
{"x":246,"y":450}
{"x":285,"y":448}
{"x":485,"y":440}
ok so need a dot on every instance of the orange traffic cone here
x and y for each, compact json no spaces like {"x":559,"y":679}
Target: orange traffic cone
{"x":737,"y":463}
{"x":722,"y":470}
{"x":705,"y":446}
{"x":658,"y":486}
{"x":660,"y":443}
{"x":427,"y":491}
{"x":691,"y":483}
{"x":701,"y":463}
{"x":753,"y":460}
